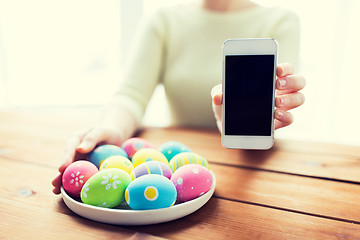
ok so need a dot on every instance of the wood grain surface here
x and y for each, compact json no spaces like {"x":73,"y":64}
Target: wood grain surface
{"x":297,"y":190}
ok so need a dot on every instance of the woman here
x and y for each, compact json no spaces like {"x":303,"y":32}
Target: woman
{"x":180,"y":47}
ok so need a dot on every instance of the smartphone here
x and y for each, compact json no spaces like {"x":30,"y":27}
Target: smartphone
{"x":249,"y":75}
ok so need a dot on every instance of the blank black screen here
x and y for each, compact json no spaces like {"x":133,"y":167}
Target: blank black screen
{"x":249,"y":94}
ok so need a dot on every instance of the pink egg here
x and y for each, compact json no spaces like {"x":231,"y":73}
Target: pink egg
{"x":191,"y":181}
{"x":75,"y":176}
{"x":132,"y":145}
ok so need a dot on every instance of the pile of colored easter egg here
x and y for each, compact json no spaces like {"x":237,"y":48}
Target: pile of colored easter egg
{"x":138,"y":176}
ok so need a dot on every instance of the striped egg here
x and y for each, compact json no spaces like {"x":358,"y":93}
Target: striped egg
{"x":152,"y":167}
{"x":184,"y":158}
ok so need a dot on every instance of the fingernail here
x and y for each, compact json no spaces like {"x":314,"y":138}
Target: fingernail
{"x":279,"y":114}
{"x":280,"y":101}
{"x":84,"y":145}
{"x":217,"y":100}
{"x":282,"y":83}
{"x":281,"y":70}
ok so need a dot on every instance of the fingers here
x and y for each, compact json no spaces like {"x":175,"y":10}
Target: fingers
{"x":288,"y":84}
{"x":287,"y":95}
{"x":217,"y":109}
{"x":77,"y":146}
{"x":284,"y":69}
{"x":217,"y":100}
{"x":289,"y":101}
{"x":57,"y":183}
{"x":216,"y":94}
{"x":90,"y":140}
{"x":282,"y":119}
{"x":70,"y":149}
{"x":96,"y":136}
{"x":219,"y":125}
{"x":80,"y":144}
{"x":216,"y":90}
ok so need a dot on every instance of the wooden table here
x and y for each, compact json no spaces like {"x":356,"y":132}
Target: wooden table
{"x":297,"y":190}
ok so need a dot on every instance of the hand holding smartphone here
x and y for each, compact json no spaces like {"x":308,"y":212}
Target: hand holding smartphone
{"x":249,"y":75}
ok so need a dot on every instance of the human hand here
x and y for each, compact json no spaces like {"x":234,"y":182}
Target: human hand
{"x":287,"y":96}
{"x":81,"y":143}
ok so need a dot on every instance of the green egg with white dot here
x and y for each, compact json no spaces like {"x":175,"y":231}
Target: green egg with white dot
{"x":150,"y":191}
{"x":106,"y":188}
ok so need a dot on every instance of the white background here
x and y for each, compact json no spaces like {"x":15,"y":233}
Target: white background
{"x":71,"y":53}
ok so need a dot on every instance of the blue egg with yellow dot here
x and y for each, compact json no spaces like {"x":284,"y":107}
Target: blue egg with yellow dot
{"x":103,"y":152}
{"x":150,"y":191}
{"x":171,"y":148}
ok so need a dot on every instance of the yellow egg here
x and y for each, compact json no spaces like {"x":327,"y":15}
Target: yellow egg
{"x":117,"y":162}
{"x":148,"y":154}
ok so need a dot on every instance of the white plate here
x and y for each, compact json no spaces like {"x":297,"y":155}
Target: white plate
{"x":137,"y":217}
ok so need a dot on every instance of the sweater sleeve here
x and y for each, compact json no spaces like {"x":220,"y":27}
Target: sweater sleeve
{"x":143,"y":68}
{"x":287,"y":34}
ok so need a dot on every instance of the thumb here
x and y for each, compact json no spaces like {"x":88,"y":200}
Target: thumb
{"x":216,"y":94}
{"x":85,"y":146}
{"x":90,"y":140}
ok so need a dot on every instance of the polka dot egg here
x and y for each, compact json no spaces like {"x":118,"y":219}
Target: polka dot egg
{"x":101,"y":153}
{"x":172,"y":148}
{"x":150,"y":192}
{"x":117,"y":162}
{"x":148,"y":154}
{"x":106,"y":188}
{"x":151,"y":167}
{"x":191,"y":181}
{"x":132,"y":145}
{"x":75,"y":176}
{"x":184,"y":158}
